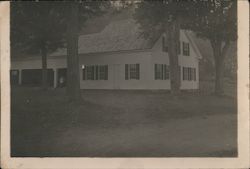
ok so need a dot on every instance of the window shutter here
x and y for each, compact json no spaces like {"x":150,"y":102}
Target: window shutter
{"x":188,"y":53}
{"x":165,"y":72}
{"x":187,"y":76}
{"x":106,"y":72}
{"x":183,"y":73}
{"x":138,"y":71}
{"x":92,"y":72}
{"x":87,"y":72}
{"x":96,"y":72}
{"x":161,"y":72}
{"x":84,"y":73}
{"x":168,"y":71}
{"x":183,"y":48}
{"x":194,"y":74}
{"x":126,"y":71}
{"x":191,"y":74}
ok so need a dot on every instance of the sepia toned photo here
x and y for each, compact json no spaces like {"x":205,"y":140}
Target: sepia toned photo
{"x":125,"y":81}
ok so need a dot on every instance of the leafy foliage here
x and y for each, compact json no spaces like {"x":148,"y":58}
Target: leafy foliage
{"x":34,"y":24}
{"x":45,"y":22}
{"x":154,"y":16}
{"x":214,"y":20}
{"x":208,"y":18}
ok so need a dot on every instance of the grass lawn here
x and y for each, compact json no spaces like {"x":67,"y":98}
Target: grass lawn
{"x":122,"y":124}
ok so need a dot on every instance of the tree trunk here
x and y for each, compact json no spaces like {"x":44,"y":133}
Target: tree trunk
{"x":44,"y":67}
{"x":173,"y":36}
{"x":219,"y":57}
{"x":73,"y":80}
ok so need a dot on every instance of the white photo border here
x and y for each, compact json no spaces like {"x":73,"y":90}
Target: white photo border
{"x":242,"y":161}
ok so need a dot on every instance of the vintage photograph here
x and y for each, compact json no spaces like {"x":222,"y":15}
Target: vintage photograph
{"x":123,"y":78}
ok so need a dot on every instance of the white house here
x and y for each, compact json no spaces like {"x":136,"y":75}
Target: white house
{"x":117,"y":57}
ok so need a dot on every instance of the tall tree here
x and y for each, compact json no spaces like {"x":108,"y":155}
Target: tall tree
{"x":36,"y":29}
{"x":73,"y":87}
{"x":214,"y":20}
{"x":165,"y":16}
{"x":42,"y":27}
{"x":217,"y":22}
{"x":78,"y":13}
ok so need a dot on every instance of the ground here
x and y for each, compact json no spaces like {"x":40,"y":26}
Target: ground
{"x":122,"y":124}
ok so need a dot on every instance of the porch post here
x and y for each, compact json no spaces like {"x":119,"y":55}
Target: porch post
{"x":55,"y":77}
{"x":20,"y":76}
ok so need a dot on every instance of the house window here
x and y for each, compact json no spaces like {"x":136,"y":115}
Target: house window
{"x":132,"y":71}
{"x":95,"y":72}
{"x":186,"y":51}
{"x":162,"y":72}
{"x":103,"y":72}
{"x":189,"y":74}
{"x":89,"y":72}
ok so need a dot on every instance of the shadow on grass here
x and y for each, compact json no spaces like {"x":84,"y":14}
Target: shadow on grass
{"x":43,"y":122}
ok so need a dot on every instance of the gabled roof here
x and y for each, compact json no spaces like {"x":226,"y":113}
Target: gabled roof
{"x":119,"y":35}
{"x":122,"y":35}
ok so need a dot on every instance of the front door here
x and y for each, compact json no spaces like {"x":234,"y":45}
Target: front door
{"x":116,"y":77}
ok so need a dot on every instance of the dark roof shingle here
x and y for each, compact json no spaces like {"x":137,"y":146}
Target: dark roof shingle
{"x":117,"y":36}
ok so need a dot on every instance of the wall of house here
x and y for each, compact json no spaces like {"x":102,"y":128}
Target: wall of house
{"x":116,"y":70}
{"x":36,"y":63}
{"x":160,"y":57}
{"x":189,"y":61}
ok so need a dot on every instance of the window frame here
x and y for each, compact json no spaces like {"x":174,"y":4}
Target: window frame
{"x":185,"y":48}
{"x":132,"y":71}
{"x":161,"y":71}
{"x":95,"y":72}
{"x":189,"y":74}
